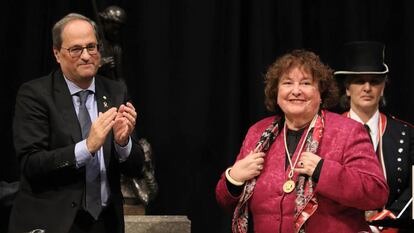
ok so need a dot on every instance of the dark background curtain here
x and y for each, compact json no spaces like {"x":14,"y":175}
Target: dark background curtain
{"x":195,"y":70}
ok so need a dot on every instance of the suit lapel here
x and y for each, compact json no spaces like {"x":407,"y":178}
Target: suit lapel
{"x":64,"y":103}
{"x":104,"y":103}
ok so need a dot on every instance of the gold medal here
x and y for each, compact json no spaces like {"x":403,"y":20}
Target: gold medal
{"x":289,"y":186}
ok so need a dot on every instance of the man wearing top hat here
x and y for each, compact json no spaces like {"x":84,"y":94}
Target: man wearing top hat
{"x":364,"y":75}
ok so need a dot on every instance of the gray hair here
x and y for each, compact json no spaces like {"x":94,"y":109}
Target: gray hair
{"x":59,"y":25}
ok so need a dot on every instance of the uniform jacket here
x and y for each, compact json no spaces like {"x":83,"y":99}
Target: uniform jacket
{"x":349,"y":175}
{"x":398,"y":153}
{"x":46,"y":130}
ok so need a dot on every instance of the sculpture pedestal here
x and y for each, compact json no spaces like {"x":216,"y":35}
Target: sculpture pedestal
{"x":134,"y":209}
{"x":157,"y":224}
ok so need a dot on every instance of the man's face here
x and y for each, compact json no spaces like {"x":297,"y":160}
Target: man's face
{"x":82,"y":68}
{"x":365,"y":91}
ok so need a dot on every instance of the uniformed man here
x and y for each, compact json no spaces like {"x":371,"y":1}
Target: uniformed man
{"x":364,"y":75}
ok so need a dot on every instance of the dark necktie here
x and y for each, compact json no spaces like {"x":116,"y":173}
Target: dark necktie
{"x":92,"y":202}
{"x":369,"y":132}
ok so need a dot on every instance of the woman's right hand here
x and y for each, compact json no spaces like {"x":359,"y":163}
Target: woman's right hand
{"x":248,"y":167}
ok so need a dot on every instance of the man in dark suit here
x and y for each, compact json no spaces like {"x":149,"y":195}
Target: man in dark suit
{"x":71,"y":146}
{"x":364,"y":75}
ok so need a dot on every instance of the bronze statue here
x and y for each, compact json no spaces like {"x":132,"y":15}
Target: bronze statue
{"x":146,"y":188}
{"x":111,"y":20}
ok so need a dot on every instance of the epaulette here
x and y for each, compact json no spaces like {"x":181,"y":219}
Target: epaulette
{"x":404,"y":122}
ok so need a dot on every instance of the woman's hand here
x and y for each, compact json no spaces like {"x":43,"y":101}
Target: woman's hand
{"x":248,"y":167}
{"x":307,"y":163}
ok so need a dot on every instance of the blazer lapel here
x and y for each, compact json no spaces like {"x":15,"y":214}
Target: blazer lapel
{"x":104,"y":103}
{"x":64,"y":104}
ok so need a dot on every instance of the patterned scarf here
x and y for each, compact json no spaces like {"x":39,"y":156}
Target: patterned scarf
{"x":306,"y":202}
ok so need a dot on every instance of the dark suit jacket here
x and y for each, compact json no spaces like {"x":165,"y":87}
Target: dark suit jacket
{"x":398,"y":149}
{"x":46,"y":130}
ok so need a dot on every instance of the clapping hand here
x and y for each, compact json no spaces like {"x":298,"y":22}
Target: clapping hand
{"x":125,"y":121}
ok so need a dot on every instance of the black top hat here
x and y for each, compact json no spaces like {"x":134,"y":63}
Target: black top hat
{"x":363,"y":57}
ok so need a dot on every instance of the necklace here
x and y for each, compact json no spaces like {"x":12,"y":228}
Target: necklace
{"x":289,"y":184}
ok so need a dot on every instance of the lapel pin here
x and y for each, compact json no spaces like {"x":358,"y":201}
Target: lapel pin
{"x":104,"y":97}
{"x":105,"y":104}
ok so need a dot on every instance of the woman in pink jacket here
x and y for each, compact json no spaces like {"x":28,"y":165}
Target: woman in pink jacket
{"x":305,"y":169}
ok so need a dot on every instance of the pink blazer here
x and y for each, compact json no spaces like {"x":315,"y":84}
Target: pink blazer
{"x":350,"y":181}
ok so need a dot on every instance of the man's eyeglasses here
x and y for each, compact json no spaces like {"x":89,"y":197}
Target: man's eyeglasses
{"x":76,"y":51}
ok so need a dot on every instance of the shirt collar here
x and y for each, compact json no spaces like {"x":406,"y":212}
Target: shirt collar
{"x":73,"y":88}
{"x":372,"y":123}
